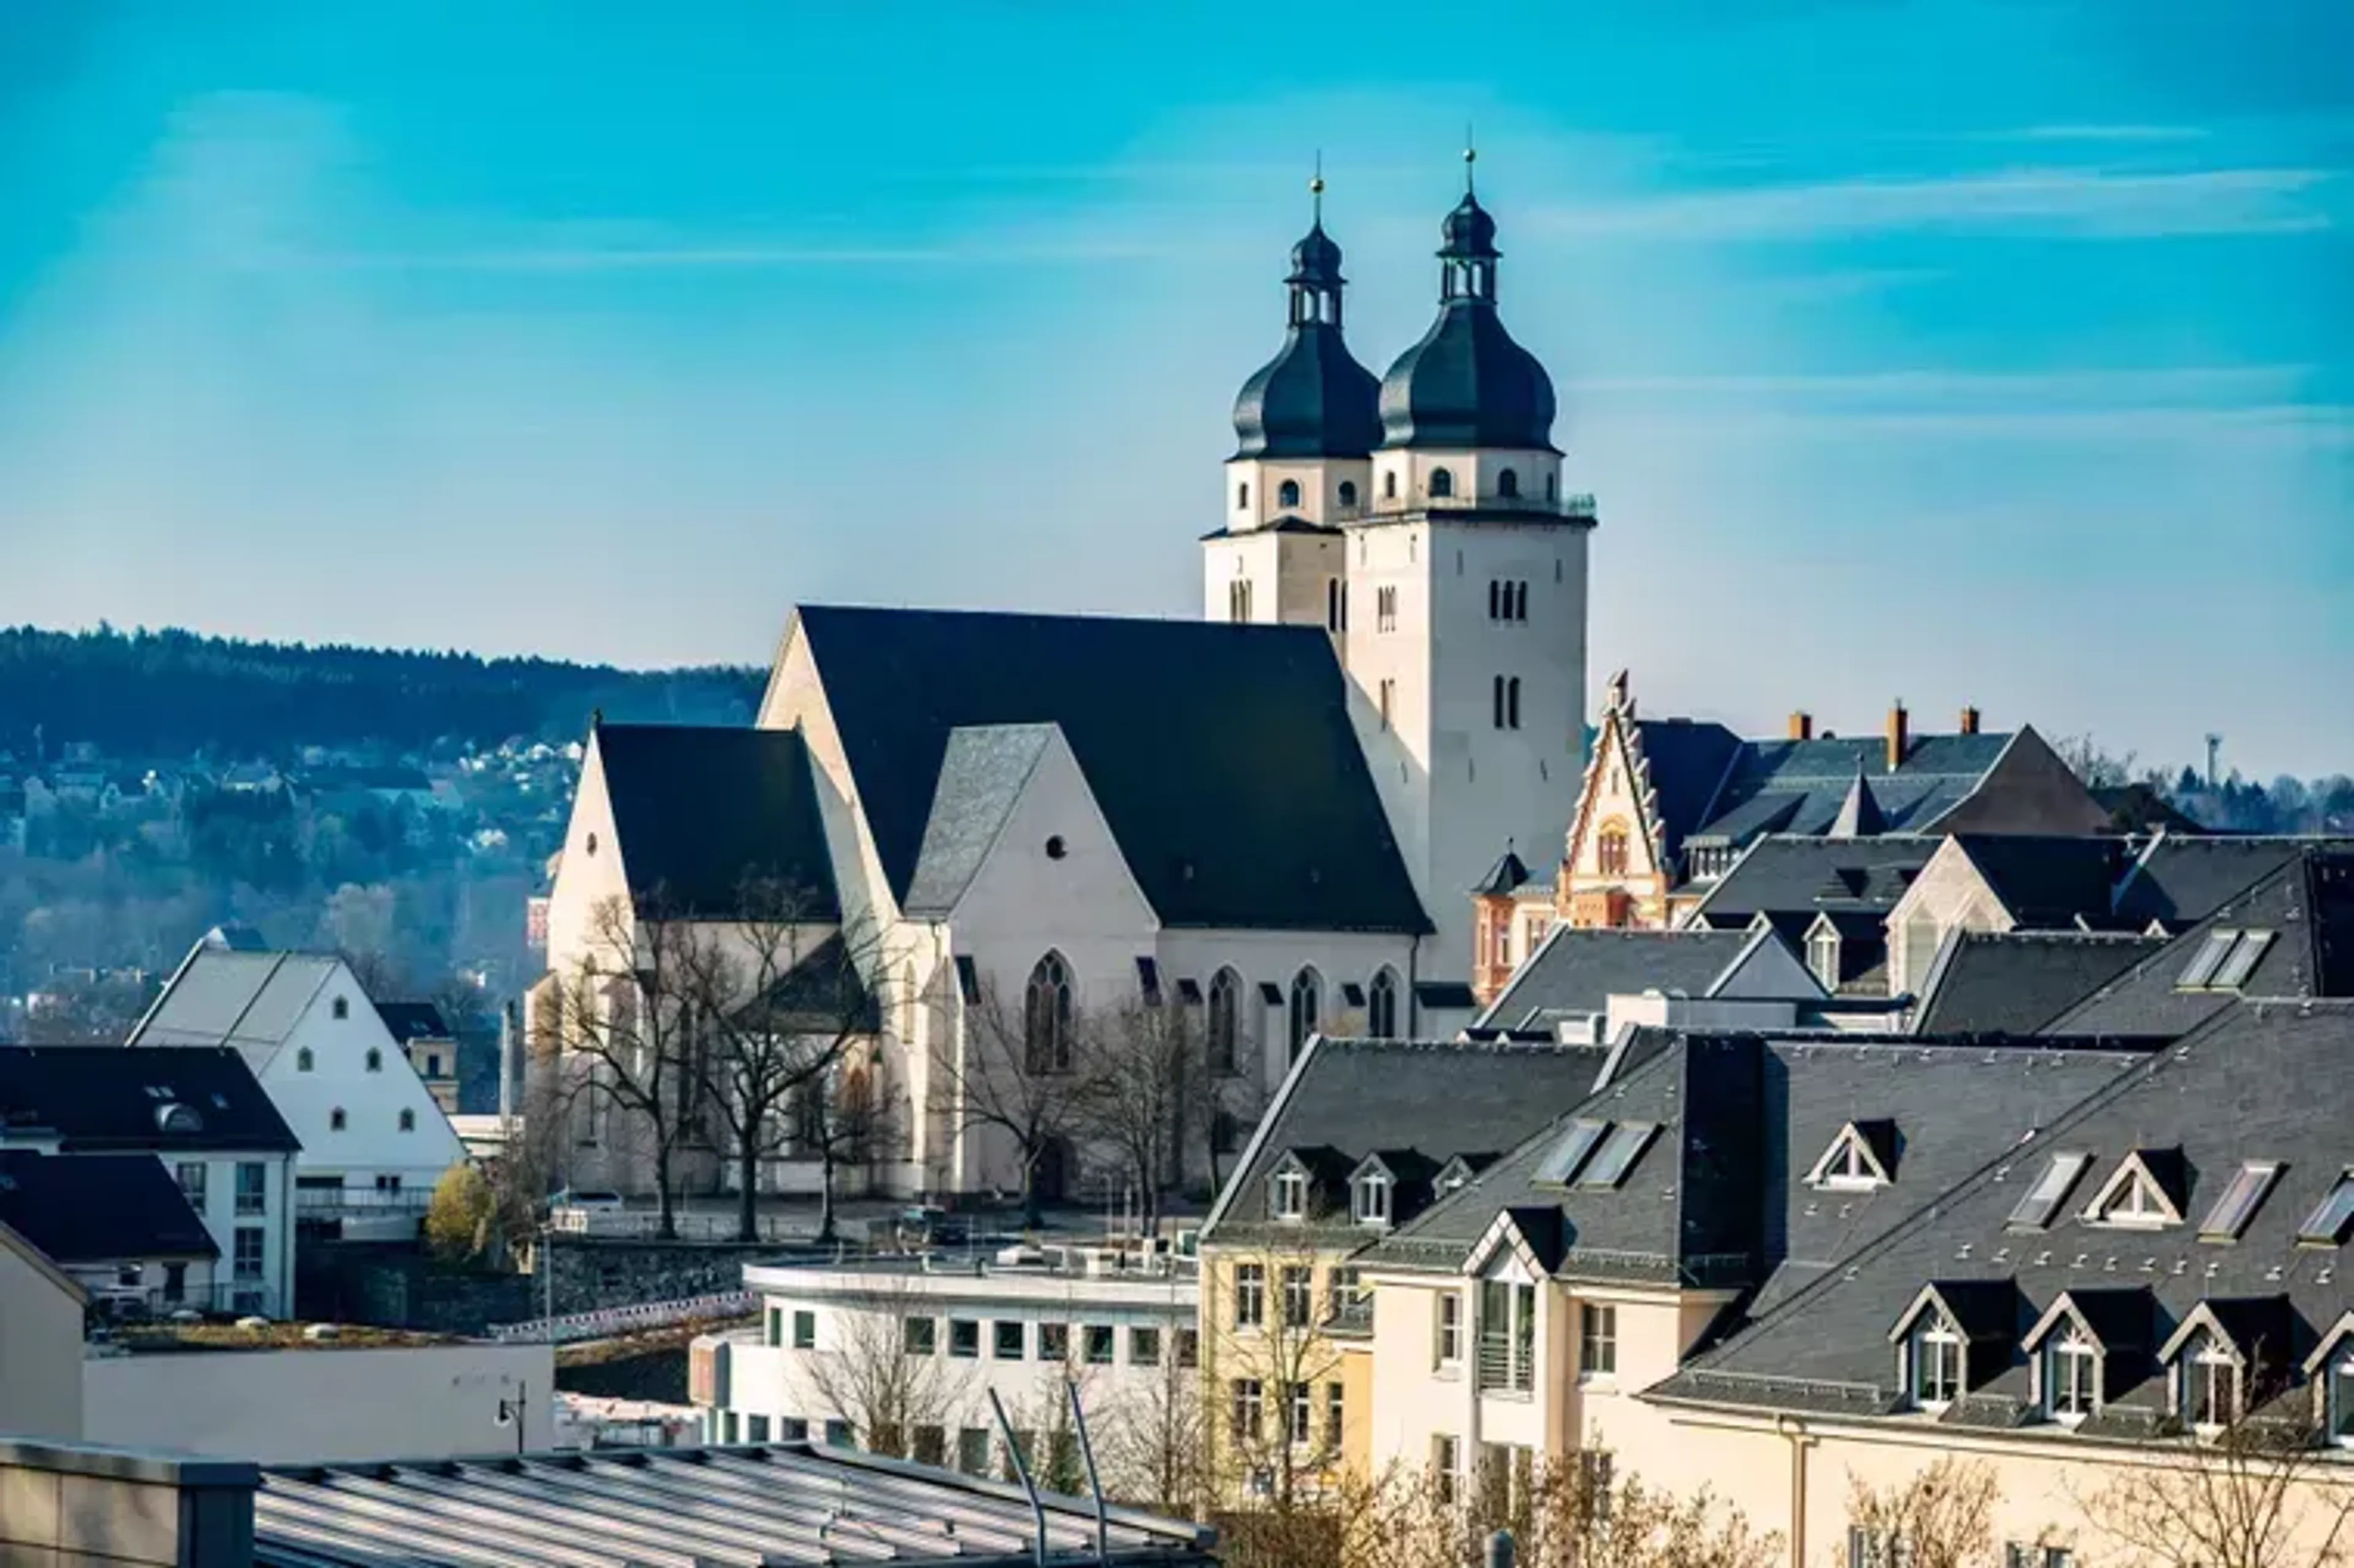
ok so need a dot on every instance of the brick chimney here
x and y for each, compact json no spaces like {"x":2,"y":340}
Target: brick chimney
{"x":1802,"y":726}
{"x":1898,"y":735}
{"x":1969,"y":721}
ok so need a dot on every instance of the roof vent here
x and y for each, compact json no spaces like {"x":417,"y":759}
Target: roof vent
{"x":173,"y":1118}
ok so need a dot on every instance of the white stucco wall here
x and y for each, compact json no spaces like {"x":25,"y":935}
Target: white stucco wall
{"x":40,"y":1347}
{"x":219,"y":1210}
{"x":371,"y":1143}
{"x":323,"y":1404}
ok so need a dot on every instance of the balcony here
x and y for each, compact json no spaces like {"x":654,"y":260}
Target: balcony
{"x":1502,"y":1366}
{"x":1578,"y":508}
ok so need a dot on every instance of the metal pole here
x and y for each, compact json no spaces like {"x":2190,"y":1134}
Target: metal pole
{"x":522,"y":1413}
{"x":1095,"y":1482}
{"x":1021,"y":1473}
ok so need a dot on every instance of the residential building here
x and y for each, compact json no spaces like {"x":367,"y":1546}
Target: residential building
{"x":40,"y":1353}
{"x":119,"y":1224}
{"x":901,"y":1355}
{"x":1585,"y":984}
{"x":374,"y":1140}
{"x":1384,"y":693}
{"x":1366,"y":1135}
{"x":432,"y":1045}
{"x":200,"y":1112}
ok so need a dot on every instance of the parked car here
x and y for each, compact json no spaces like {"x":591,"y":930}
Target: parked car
{"x":594,"y":1203}
{"x":928,"y":1224}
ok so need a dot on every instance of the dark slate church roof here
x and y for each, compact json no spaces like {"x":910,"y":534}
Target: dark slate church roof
{"x":2258,"y":1083}
{"x":2018,"y":981}
{"x":1312,"y":399}
{"x":702,"y":811}
{"x":98,"y":1208}
{"x":1221,"y":755}
{"x":1468,"y":383}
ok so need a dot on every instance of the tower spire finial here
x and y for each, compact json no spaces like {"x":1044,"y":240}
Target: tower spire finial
{"x":1316,"y":188}
{"x":1470,"y":157}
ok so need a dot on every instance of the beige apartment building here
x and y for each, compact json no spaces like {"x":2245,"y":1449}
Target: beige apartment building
{"x":1783,"y":1265}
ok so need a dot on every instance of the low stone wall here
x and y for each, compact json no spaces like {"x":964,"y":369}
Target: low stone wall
{"x":399,"y":1287}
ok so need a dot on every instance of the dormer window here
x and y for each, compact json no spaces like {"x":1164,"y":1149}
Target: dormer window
{"x":2207,"y":1383}
{"x":2072,"y":1375}
{"x":1852,"y":1163}
{"x":2133,"y":1198}
{"x":1371,"y":1199}
{"x":1823,"y":957}
{"x":2337,"y":1399}
{"x":1287,"y":1195}
{"x":1935,"y":1352}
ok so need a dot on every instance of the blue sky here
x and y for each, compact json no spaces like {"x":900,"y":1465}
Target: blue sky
{"x":1960,"y":352}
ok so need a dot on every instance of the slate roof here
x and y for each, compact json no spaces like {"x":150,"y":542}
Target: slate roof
{"x":2019,"y":982}
{"x":982,"y":772}
{"x":224,"y":996}
{"x":2307,"y":901}
{"x":98,"y":1208}
{"x":1786,"y":875}
{"x":822,"y":994}
{"x":1719,"y":1196}
{"x":2180,"y":879}
{"x":1223,"y":756}
{"x":2049,"y":881}
{"x":409,"y":1020}
{"x":1312,"y":399}
{"x":701,"y":810}
{"x":97,"y":1099}
{"x":1467,"y":383}
{"x":1437,"y":1099}
{"x":1686,"y":762}
{"x":1798,"y":786}
{"x":2256,"y":1082}
{"x":1576,"y":972}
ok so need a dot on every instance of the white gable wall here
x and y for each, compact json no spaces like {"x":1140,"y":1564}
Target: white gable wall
{"x":371,"y":1143}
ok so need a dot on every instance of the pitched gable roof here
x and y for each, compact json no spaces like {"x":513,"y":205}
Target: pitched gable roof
{"x":2047,"y":881}
{"x":1791,"y":875}
{"x":2015,"y":982}
{"x":100,"y":1097}
{"x":1223,"y":756}
{"x":223,"y":996}
{"x":1799,"y":786}
{"x":409,"y":1021}
{"x":982,"y":773}
{"x":703,"y":811}
{"x":98,"y":1208}
{"x":1575,"y":971}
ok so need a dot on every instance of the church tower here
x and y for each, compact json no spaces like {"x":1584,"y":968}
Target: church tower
{"x":1467,"y":590}
{"x":1305,"y":429}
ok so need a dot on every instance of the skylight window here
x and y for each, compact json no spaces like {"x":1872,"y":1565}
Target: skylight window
{"x":2207,"y":958}
{"x":1617,"y":1156}
{"x":2325,"y":1226}
{"x":2242,"y":963}
{"x":2051,"y":1190}
{"x":1570,"y":1153}
{"x":2233,"y":1210}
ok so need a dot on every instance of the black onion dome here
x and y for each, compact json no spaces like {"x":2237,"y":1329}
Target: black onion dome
{"x":1467,"y":383}
{"x":1312,"y":399}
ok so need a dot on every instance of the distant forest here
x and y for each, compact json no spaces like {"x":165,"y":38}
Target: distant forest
{"x":174,"y":694}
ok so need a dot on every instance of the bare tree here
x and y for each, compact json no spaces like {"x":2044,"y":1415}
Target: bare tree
{"x":1274,"y":1439}
{"x":1016,"y":1071}
{"x":784,"y":998}
{"x":628,"y":1017}
{"x":1942,"y":1518}
{"x":2257,"y":1496}
{"x":887,"y":1389}
{"x":847,"y":1118}
{"x":1136,"y":1064}
{"x":1154,"y":1441}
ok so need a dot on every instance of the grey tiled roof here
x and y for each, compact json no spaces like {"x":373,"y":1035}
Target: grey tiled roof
{"x":981,"y":775}
{"x":2179,"y":879}
{"x":1576,"y":972}
{"x":1780,"y":875}
{"x":251,"y":1000}
{"x":1223,"y":756}
{"x":2049,"y":881}
{"x":2262,"y":1081}
{"x":2018,"y":981}
{"x":102,"y":1098}
{"x":704,"y":811}
{"x":1798,"y":786}
{"x":98,"y":1208}
{"x":1436,"y":1098}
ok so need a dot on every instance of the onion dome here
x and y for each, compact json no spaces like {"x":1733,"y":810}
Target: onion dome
{"x":1467,"y":383}
{"x":1312,"y":399}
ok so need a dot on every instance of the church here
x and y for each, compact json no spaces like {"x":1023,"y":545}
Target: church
{"x":1274,"y":815}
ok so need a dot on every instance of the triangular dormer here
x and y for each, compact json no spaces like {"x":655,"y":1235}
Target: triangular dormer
{"x":1523,"y":1244}
{"x":1372,"y":1192}
{"x":1459,"y":1173}
{"x":2144,"y":1193}
{"x":1859,"y":816}
{"x":1861,"y":1158}
{"x":1290,"y":1191}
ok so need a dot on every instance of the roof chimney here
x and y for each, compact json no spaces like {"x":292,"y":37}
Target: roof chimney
{"x":1898,"y":735}
{"x":1969,"y":721}
{"x":1802,"y":726}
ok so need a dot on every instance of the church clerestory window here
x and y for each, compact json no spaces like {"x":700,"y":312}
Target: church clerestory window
{"x":1224,"y":1026}
{"x":1347,"y":495}
{"x":1307,"y":1006}
{"x":1288,"y":494}
{"x":1442,"y":483}
{"x":1046,"y":1017}
{"x":1381,"y":1005}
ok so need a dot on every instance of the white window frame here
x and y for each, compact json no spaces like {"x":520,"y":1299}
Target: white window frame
{"x":1287,"y":1194}
{"x":2071,"y":1353}
{"x":1447,"y":1330}
{"x":1371,"y":1196}
{"x":1937,"y":1335}
{"x":2196,"y":1370}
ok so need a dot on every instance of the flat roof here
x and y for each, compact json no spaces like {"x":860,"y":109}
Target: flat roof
{"x":740,"y":1507}
{"x":975,"y":1277}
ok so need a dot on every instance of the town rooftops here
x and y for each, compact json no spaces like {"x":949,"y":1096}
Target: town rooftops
{"x":751,"y":1506}
{"x":2018,"y":981}
{"x":1786,"y":875}
{"x":97,"y":1099}
{"x":1223,"y":756}
{"x":1576,"y":972}
{"x":411,"y":1021}
{"x":224,"y":995}
{"x":98,"y":1208}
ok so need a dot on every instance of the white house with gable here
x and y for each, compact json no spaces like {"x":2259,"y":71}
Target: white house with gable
{"x":374,"y":1140}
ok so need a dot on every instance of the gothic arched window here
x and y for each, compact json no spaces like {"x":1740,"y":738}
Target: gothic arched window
{"x":1507,"y":484}
{"x":1381,"y":1005}
{"x":1307,"y":1005}
{"x":1442,"y":481}
{"x":1224,"y":1027}
{"x":1288,"y":495}
{"x":1610,"y":850}
{"x":1046,"y":1017}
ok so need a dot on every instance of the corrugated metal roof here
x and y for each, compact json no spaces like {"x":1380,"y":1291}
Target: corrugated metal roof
{"x":678,"y":1508}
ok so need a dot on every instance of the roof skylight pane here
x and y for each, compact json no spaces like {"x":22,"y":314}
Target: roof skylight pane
{"x":1570,"y":1151}
{"x":1616,"y":1155}
{"x":2051,"y":1188}
{"x":2229,"y":1215}
{"x":2209,"y":957}
{"x":2325,"y":1226}
{"x":2236,"y":968}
